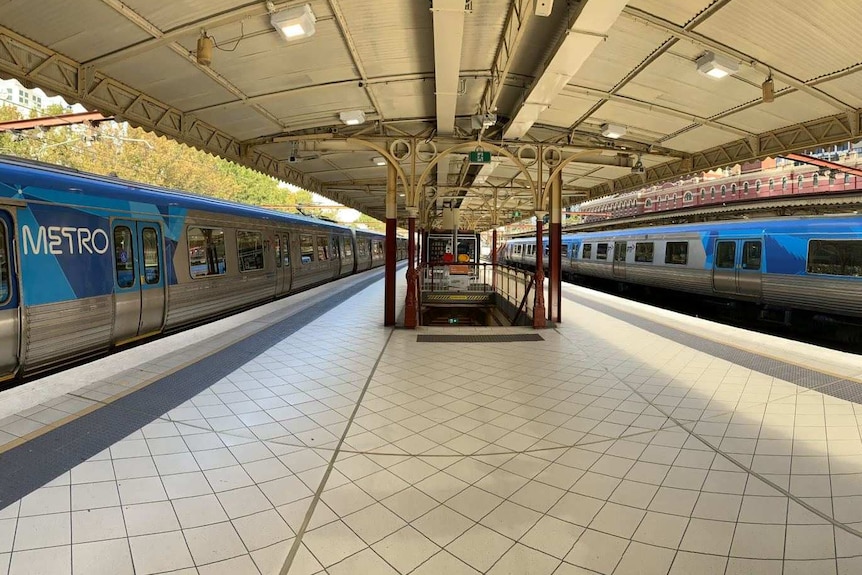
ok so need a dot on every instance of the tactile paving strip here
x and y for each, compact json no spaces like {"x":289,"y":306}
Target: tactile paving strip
{"x":30,"y":465}
{"x":505,"y":338}
{"x":830,"y":385}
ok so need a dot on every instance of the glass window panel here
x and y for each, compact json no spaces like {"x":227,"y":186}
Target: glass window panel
{"x":5,"y":281}
{"x":249,"y":247}
{"x":285,"y":250}
{"x":602,"y":251}
{"x":725,"y":255}
{"x":565,"y":251}
{"x":277,"y":251}
{"x":348,"y":247}
{"x":152,"y":268}
{"x":588,"y":251}
{"x":751,"y":255}
{"x":620,"y":251}
{"x":124,"y":256}
{"x":835,"y":257}
{"x":322,"y":249}
{"x":676,"y":253}
{"x":206,"y":252}
{"x":306,"y":248}
{"x":644,"y":251}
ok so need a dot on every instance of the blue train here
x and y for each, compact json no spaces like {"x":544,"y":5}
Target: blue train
{"x":88,"y":263}
{"x":810,"y":264}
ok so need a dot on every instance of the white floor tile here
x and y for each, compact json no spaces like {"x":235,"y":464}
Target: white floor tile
{"x":102,"y":558}
{"x":212,"y":543}
{"x":161,"y":552}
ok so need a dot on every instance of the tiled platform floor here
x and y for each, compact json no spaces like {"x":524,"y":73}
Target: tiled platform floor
{"x":350,"y":449}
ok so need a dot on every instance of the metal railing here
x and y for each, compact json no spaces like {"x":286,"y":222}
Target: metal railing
{"x":513,"y":286}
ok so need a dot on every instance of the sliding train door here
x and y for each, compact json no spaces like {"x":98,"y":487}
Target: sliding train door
{"x":737,"y":267}
{"x":9,"y":299}
{"x":139,"y":288}
{"x":283,"y":270}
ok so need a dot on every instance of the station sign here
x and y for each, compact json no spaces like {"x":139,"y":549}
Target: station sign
{"x":480,"y":157}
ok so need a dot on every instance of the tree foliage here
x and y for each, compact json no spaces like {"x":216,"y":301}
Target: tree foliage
{"x":129,"y":153}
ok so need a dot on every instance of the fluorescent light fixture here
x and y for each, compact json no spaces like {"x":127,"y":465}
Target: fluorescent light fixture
{"x":613,"y":131}
{"x":716,"y":66}
{"x":379,"y":160}
{"x":353,"y":118}
{"x":294,"y":23}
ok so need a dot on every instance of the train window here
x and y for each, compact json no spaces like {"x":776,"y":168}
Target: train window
{"x":361,"y":248}
{"x":348,"y":247}
{"x":335,"y":247}
{"x":620,"y":251}
{"x":644,"y":251}
{"x":322,"y":249}
{"x":725,"y":255}
{"x":277,"y":251}
{"x":306,"y":248}
{"x":676,"y":253}
{"x":564,"y":253}
{"x":602,"y":251}
{"x":588,"y":251}
{"x":206,"y":252}
{"x":152,"y":271}
{"x":286,"y":249}
{"x":835,"y":257}
{"x":378,"y":248}
{"x":751,"y":255}
{"x":124,"y":256}
{"x":249,"y":247}
{"x":5,"y":287}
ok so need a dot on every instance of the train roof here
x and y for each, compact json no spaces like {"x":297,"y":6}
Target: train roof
{"x":754,"y":226}
{"x":27,"y":173}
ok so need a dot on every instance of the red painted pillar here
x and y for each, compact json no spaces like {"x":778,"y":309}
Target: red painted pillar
{"x":391,"y":253}
{"x":539,"y":303}
{"x":555,"y":248}
{"x":494,"y":258}
{"x":411,"y":306}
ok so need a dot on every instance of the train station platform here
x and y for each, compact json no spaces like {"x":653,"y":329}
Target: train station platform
{"x":303,"y":437}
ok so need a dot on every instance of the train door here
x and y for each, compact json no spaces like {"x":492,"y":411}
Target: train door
{"x":139,"y":288}
{"x":282,"y":263}
{"x":9,"y":300}
{"x":737,"y":267}
{"x":619,"y":264}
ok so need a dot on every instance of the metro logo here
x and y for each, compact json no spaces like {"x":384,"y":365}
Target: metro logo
{"x":56,"y":240}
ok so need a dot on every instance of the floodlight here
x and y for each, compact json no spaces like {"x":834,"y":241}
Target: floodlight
{"x":294,"y":23}
{"x":716,"y":66}
{"x":353,"y":117}
{"x":613,"y":131}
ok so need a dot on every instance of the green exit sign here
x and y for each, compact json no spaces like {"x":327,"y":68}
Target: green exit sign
{"x":480,"y":157}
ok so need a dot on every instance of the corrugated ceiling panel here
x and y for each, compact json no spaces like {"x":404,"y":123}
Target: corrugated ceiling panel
{"x":392,"y":37}
{"x":170,"y":15}
{"x":566,"y":109}
{"x":242,"y":122}
{"x":482,"y":31}
{"x":698,"y":139}
{"x":265,"y":63}
{"x":675,"y":82}
{"x":784,"y":111}
{"x":58,"y":25}
{"x":800,"y":38}
{"x":414,"y":99}
{"x":847,"y":89}
{"x":677,"y":11}
{"x":638,"y":120}
{"x":536,"y":46}
{"x":319,"y":102}
{"x":628,"y":44}
{"x":167,"y":76}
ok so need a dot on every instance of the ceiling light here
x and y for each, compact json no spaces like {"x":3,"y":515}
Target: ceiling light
{"x":715,"y":65}
{"x":204,"y":54}
{"x":379,"y":160}
{"x":353,"y":118}
{"x":613,"y":131}
{"x":294,"y":23}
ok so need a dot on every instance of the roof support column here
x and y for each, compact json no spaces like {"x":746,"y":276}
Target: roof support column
{"x":391,"y":251}
{"x":539,"y":302}
{"x":555,"y":244}
{"x":411,"y":306}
